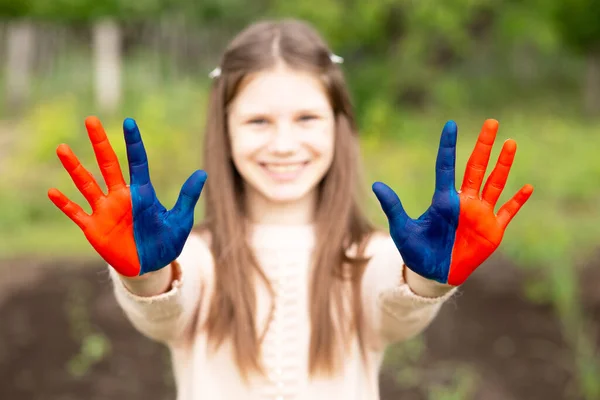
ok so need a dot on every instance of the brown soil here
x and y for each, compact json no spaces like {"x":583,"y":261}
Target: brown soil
{"x":514,"y":346}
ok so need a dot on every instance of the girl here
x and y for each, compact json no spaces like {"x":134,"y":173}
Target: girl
{"x":286,"y":291}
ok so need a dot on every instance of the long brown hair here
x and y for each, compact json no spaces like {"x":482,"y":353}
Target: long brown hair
{"x":339,"y":221}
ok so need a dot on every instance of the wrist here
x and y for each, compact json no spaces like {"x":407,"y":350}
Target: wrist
{"x":151,"y":283}
{"x":425,"y":287}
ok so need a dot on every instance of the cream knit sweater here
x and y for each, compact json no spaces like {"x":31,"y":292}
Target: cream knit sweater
{"x":394,"y":313}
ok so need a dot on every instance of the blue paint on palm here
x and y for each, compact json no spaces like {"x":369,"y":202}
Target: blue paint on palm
{"x":159,"y":234}
{"x":426,"y":243}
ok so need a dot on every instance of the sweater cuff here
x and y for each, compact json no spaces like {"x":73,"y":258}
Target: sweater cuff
{"x":153,"y":308}
{"x":402,"y":294}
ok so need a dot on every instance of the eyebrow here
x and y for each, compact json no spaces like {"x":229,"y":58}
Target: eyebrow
{"x":314,"y":110}
{"x":308,"y":110}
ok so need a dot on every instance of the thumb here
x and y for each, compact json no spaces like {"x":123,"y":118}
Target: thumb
{"x":390,"y":203}
{"x":190,"y":193}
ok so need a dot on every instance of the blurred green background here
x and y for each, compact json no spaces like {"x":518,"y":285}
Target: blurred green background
{"x":527,"y":324}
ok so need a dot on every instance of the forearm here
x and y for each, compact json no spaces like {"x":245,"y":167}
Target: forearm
{"x":163,"y":304}
{"x":410,"y":305}
{"x":398,"y":303}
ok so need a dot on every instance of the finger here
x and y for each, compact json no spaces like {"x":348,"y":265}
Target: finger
{"x":107,"y":159}
{"x":391,"y":205}
{"x":189,"y":195}
{"x":512,"y":207}
{"x":136,"y":153}
{"x":479,"y":159}
{"x":82,"y":178}
{"x":497,"y":180}
{"x":446,"y":158}
{"x":71,"y":210}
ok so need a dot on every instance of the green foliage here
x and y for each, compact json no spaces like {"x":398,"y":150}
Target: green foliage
{"x":526,"y":22}
{"x":15,"y":9}
{"x":577,"y":22}
{"x":237,"y":13}
{"x":82,"y":10}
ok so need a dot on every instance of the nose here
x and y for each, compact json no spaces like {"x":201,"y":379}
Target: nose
{"x":283,"y":140}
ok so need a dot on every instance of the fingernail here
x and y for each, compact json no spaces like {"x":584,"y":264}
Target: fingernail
{"x":129,"y":124}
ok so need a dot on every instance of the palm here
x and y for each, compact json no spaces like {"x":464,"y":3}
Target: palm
{"x":110,"y":219}
{"x":480,"y":222}
{"x":459,"y":230}
{"x":165,"y":231}
{"x":129,"y":227}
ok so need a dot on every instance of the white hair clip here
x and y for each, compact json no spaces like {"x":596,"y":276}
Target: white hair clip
{"x":215,"y":73}
{"x":336,"y":59}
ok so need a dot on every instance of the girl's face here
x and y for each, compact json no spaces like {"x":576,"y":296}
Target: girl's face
{"x":281,"y":127}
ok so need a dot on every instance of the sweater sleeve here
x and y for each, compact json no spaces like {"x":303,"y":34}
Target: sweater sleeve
{"x":394,"y":312}
{"x":170,"y":316}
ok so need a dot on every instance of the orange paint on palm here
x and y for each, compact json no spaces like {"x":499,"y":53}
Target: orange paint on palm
{"x":471,"y":247}
{"x":480,"y":230}
{"x":112,"y":218}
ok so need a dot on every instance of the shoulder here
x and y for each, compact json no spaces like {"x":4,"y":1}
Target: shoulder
{"x":203,"y":235}
{"x":378,"y":244}
{"x":382,"y":252}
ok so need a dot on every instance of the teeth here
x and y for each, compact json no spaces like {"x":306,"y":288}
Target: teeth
{"x":282,"y":169}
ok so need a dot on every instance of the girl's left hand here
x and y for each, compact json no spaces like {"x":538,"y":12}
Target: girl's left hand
{"x":460,"y":230}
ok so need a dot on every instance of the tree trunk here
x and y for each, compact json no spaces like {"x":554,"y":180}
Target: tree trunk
{"x":591,"y":89}
{"x":107,"y":38}
{"x":20,"y":38}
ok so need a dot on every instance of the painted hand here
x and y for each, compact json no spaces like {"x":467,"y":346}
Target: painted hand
{"x":459,"y":230}
{"x":128,"y":226}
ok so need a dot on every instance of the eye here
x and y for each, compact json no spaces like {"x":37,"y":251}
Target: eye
{"x":258,"y":121}
{"x":307,"y":117}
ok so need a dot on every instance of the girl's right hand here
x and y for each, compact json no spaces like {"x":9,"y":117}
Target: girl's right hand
{"x":128,"y":226}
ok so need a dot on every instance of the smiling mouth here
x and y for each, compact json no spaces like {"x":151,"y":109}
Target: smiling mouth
{"x":286,"y":171}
